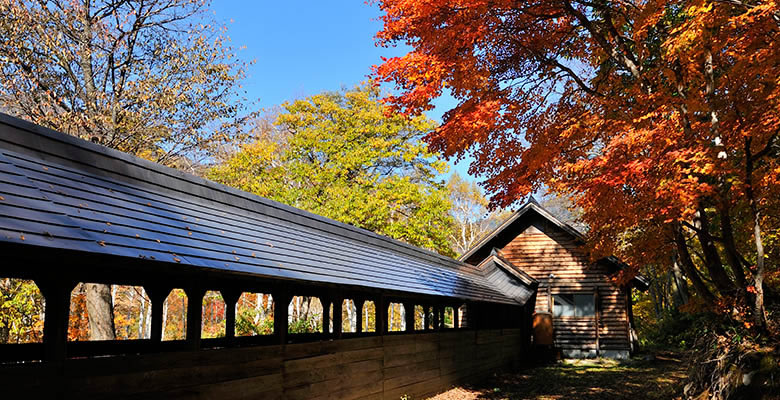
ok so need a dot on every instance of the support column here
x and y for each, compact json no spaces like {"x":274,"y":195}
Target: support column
{"x":157,"y":295}
{"x":231,"y":298}
{"x":194,"y":316}
{"x":437,"y":318}
{"x":55,"y":323}
{"x":359,"y":317}
{"x":455,"y":317}
{"x":281,"y":324}
{"x":327,"y":302}
{"x":337,"y":317}
{"x":381,"y":315}
{"x":409,"y":308}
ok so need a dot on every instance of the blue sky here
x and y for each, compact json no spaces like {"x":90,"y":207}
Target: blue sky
{"x":307,"y":47}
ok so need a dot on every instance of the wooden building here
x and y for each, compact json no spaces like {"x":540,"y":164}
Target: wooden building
{"x":72,"y":211}
{"x":591,"y":316}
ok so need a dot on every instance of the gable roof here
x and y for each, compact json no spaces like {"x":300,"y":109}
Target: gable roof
{"x":486,"y":247}
{"x":488,"y":242}
{"x":61,"y":192}
{"x":507,"y":277}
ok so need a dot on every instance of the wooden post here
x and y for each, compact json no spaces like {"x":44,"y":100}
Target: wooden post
{"x":436,"y":318}
{"x":381,"y":315}
{"x":55,"y":323}
{"x":194,"y":316}
{"x":455,"y":317}
{"x":281,"y":324}
{"x":327,"y":302}
{"x":157,"y":295}
{"x":338,"y":301}
{"x":409,"y":308}
{"x":231,"y":299}
{"x":359,"y":317}
{"x":426,"y":317}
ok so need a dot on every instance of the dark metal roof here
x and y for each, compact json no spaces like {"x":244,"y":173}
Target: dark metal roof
{"x":65,"y":193}
{"x":507,"y":277}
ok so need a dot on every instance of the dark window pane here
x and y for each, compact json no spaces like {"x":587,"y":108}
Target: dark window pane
{"x":584,"y":306}
{"x":563,"y":305}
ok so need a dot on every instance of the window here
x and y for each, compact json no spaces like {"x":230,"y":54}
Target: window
{"x":304,"y":315}
{"x":396,"y":318}
{"x":254,"y":314}
{"x":348,"y":316}
{"x":369,"y":316}
{"x":463,"y":316}
{"x":22,"y":311}
{"x":213,"y":314}
{"x":174,"y":320}
{"x":429,"y":317}
{"x":128,"y":315}
{"x":419,"y":318}
{"x":330,"y":318}
{"x":574,"y":305}
{"x":449,"y":317}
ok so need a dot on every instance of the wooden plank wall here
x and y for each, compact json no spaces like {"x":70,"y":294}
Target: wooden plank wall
{"x":377,"y":367}
{"x":541,"y":250}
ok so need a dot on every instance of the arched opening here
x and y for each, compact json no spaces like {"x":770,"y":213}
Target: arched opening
{"x":174,"y":320}
{"x":449,"y":317}
{"x":369,"y":316}
{"x":348,"y":316}
{"x":304,"y":315}
{"x":213,"y":315}
{"x":130,"y":315}
{"x":419,"y":318}
{"x":463,"y":316}
{"x":254,"y":314}
{"x":396,"y":317}
{"x":22,"y":312}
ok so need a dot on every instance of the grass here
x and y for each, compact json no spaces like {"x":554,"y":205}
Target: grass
{"x":660,"y":378}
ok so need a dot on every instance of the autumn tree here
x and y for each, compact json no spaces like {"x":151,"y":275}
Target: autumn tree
{"x":338,"y":155}
{"x":471,"y":216}
{"x":153,"y":78}
{"x":658,"y":118}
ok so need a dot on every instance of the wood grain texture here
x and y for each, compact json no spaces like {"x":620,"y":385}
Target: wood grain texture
{"x":380,"y":367}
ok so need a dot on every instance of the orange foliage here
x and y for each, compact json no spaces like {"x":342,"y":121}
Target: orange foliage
{"x":640,"y":111}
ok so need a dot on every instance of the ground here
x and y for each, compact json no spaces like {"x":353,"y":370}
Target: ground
{"x":660,"y":378}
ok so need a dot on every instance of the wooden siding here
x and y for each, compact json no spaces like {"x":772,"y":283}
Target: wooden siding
{"x":378,"y":367}
{"x":540,"y":250}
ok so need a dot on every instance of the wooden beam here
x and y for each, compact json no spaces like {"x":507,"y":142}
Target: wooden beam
{"x":359,"y":311}
{"x":230,"y":296}
{"x":194,"y":316}
{"x":381,"y":315}
{"x":55,"y":324}
{"x":409,"y":308}
{"x":157,"y":294}
{"x":281,"y":303}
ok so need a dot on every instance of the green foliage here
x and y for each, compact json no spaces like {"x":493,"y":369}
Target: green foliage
{"x":338,"y":155}
{"x":309,"y":324}
{"x":21,"y":311}
{"x":245,"y":325}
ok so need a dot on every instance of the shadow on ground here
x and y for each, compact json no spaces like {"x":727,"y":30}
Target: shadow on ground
{"x":660,"y":378}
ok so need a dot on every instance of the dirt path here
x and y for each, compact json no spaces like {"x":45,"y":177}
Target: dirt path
{"x":583,"y":379}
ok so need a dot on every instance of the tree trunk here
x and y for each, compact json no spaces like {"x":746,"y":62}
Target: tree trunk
{"x":732,"y":256}
{"x":758,"y":278}
{"x":712,"y":259}
{"x":680,"y":286}
{"x":689,"y":268}
{"x":100,"y":311}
